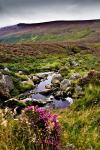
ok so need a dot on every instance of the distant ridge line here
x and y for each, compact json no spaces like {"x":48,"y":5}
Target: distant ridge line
{"x":53,"y":22}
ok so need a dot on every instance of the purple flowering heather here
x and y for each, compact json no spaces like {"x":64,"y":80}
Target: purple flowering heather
{"x":46,"y":127}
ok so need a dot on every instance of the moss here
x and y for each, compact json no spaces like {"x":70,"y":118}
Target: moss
{"x":64,"y":71}
{"x":26,"y":85}
{"x":21,"y":76}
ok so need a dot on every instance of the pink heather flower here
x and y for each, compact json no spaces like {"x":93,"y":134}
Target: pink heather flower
{"x":47,"y":124}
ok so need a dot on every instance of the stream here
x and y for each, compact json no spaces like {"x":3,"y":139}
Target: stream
{"x":41,"y":87}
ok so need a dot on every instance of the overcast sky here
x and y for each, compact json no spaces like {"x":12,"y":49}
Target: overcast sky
{"x":32,"y":11}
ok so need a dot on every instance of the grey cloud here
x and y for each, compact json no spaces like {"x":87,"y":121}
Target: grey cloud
{"x":15,"y":11}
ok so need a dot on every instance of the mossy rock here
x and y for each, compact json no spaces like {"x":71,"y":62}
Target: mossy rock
{"x":22,"y":76}
{"x":26,"y":85}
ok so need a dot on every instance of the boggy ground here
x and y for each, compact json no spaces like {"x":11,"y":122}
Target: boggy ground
{"x":80,"y":122}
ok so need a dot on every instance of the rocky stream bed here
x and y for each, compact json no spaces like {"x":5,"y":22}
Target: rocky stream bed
{"x":48,"y":89}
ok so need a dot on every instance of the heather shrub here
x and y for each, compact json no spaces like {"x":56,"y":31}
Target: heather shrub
{"x":34,"y":129}
{"x":45,"y":127}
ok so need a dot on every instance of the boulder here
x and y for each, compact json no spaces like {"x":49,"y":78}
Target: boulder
{"x":36,"y":102}
{"x":6,"y":69}
{"x":6,"y":85}
{"x":27,"y":85}
{"x":91,"y":77}
{"x":68,"y":92}
{"x":45,"y":92}
{"x":78,"y":92}
{"x":12,"y":103}
{"x":8,"y":82}
{"x":42,"y":75}
{"x":69,"y":99}
{"x":48,"y":86}
{"x":58,"y":94}
{"x":78,"y":88}
{"x":65,"y":84}
{"x":4,"y":92}
{"x":35,"y":79}
{"x":56,"y":78}
{"x":75,"y":76}
{"x":20,"y":72}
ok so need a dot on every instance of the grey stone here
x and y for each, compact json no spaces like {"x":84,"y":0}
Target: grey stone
{"x":6,"y":85}
{"x":69,"y":99}
{"x":74,"y":63}
{"x":42,"y":75}
{"x":56,"y":79}
{"x":35,"y":79}
{"x":6,"y":69}
{"x":4,"y":92}
{"x":20,"y":72}
{"x":75,"y":76}
{"x":8,"y":82}
{"x":65,"y":84}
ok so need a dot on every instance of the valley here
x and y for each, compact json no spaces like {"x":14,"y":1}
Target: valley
{"x":55,"y":66}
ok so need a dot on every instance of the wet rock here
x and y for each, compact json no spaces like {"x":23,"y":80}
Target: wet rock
{"x":13,"y":103}
{"x":51,"y":97}
{"x":56,"y":79}
{"x":65,"y":84}
{"x":42,"y":75}
{"x":69,"y":99}
{"x":35,"y":79}
{"x":75,"y":76}
{"x":38,"y":102}
{"x":68,"y":92}
{"x":45,"y":92}
{"x":58,"y":94}
{"x":49,"y":86}
{"x":26,"y":99}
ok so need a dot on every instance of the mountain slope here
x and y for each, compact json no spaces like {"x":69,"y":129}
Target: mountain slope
{"x":52,"y":31}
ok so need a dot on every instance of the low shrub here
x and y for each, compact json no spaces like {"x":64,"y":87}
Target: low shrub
{"x":45,"y":127}
{"x":34,"y":129}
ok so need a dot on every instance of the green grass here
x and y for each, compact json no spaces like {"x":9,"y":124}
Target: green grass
{"x":31,"y":64}
{"x":81,"y":122}
{"x":53,"y":62}
{"x":80,"y":128}
{"x":16,"y":135}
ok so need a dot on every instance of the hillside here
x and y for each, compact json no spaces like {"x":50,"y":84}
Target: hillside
{"x":87,"y":31}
